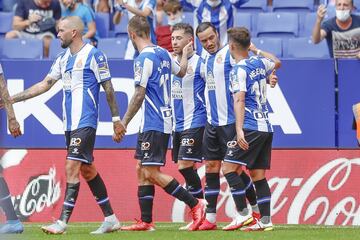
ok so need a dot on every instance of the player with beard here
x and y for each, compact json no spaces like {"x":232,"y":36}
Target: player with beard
{"x":82,"y":69}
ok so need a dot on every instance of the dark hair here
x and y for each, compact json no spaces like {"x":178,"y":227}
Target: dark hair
{"x":203,"y":26}
{"x":172,"y":6}
{"x":240,"y":36}
{"x":140,"y":26}
{"x":188,"y":29}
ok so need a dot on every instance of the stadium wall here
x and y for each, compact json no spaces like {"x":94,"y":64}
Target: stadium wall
{"x":315,"y":166}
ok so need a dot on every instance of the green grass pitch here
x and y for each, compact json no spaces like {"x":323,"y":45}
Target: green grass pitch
{"x":165,"y":231}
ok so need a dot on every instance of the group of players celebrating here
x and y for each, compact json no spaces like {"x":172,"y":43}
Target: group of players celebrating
{"x":215,"y":109}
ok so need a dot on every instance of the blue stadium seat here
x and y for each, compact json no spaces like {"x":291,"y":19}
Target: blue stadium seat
{"x":280,"y":24}
{"x":22,"y":48}
{"x":272,"y":45}
{"x":102,"y":21}
{"x":254,"y":6}
{"x":243,"y":20}
{"x":121,"y":28}
{"x":304,"y":48}
{"x":189,"y":18}
{"x":5,"y":22}
{"x":293,"y":5}
{"x":113,"y":47}
{"x":357,"y":5}
{"x":55,"y":48}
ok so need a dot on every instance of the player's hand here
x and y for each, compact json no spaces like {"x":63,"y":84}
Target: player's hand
{"x":188,"y":49}
{"x":321,"y":12}
{"x":34,"y":17}
{"x":273,"y":79}
{"x":253,"y":48}
{"x":243,"y":144}
{"x":14,"y":127}
{"x":119,"y":131}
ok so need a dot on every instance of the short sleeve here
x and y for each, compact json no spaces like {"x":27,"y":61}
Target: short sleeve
{"x":100,"y":67}
{"x":20,"y":10}
{"x":326,"y":26}
{"x":88,"y":16}
{"x":151,"y":4}
{"x":143,"y":68}
{"x":55,"y":70}
{"x":269,"y":65}
{"x":238,"y":80}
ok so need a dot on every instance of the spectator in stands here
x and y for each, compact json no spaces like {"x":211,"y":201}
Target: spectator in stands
{"x":160,"y":12}
{"x":219,"y":12}
{"x":144,"y":8}
{"x":87,"y":15}
{"x":36,"y":19}
{"x":174,"y":12}
{"x":342,"y":32}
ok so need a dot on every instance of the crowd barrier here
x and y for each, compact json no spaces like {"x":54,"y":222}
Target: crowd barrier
{"x":302,"y":106}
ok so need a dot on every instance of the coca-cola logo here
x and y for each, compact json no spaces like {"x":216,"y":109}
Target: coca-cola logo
{"x":327,"y":196}
{"x":40,"y":192}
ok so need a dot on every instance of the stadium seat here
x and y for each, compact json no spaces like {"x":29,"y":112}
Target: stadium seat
{"x":22,"y":48}
{"x":243,"y":20}
{"x":272,"y":45}
{"x":113,"y":47}
{"x":304,"y":48}
{"x":102,"y":21}
{"x":121,"y":28}
{"x":55,"y":48}
{"x":293,"y":5}
{"x":280,"y":24}
{"x":254,"y":6}
{"x":5,"y":22}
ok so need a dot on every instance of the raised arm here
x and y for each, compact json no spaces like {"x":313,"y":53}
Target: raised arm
{"x":13,"y":125}
{"x":35,"y":90}
{"x":319,"y":34}
{"x":268,"y":55}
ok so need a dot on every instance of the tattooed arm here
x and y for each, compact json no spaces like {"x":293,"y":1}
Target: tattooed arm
{"x":35,"y":90}
{"x":135,"y":104}
{"x":119,"y":129}
{"x":13,"y":124}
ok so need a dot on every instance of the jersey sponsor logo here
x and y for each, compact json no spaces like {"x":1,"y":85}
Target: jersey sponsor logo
{"x":210,"y":81}
{"x":145,"y":146}
{"x":231,"y":144}
{"x":176,"y":90}
{"x":75,"y":142}
{"x":187,"y":142}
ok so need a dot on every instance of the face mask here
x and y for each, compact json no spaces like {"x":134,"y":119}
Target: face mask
{"x":342,"y":15}
{"x":213,"y":3}
{"x":178,"y":19}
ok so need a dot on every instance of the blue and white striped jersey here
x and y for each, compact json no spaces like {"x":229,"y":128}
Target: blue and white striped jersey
{"x":219,"y":102}
{"x":152,"y":70}
{"x":81,"y":74}
{"x":249,"y":75}
{"x":187,"y":97}
{"x":131,"y":53}
{"x":221,"y":16}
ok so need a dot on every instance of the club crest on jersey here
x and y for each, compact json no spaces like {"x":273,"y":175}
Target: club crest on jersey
{"x":190,"y":70}
{"x":219,"y":59}
{"x":79,"y":64}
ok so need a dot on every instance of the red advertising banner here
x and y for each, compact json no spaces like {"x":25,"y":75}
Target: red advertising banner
{"x":308,"y":187}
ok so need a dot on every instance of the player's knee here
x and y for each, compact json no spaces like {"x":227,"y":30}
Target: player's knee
{"x":150,"y":173}
{"x":212,"y":166}
{"x":257,"y":175}
{"x":87,"y":172}
{"x":72,"y":171}
{"x":185,"y":164}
